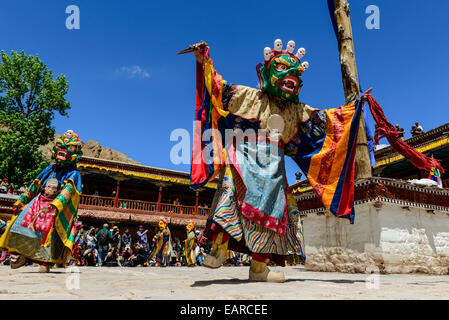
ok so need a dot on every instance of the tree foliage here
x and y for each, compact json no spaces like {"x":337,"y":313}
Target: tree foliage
{"x":29,"y":99}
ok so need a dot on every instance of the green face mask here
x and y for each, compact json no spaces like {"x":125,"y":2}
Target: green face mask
{"x":281,"y":76}
{"x":67,"y":150}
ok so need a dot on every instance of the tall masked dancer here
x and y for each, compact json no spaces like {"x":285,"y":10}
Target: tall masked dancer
{"x":43,"y":228}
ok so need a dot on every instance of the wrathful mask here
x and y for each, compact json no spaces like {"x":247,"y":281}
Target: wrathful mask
{"x":67,"y":150}
{"x":162,"y":225}
{"x":280,"y":75}
{"x":190,"y":227}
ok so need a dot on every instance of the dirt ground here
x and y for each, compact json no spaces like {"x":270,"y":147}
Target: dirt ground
{"x":202,"y":283}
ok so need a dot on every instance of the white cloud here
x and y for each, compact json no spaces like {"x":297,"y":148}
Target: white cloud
{"x":134,"y":72}
{"x":381,"y":146}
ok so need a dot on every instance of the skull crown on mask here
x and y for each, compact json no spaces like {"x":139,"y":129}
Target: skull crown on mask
{"x":280,"y":74}
{"x":67,"y":150}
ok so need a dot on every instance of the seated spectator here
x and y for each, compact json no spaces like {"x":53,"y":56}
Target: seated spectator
{"x":417,"y":129}
{"x":125,"y":257}
{"x":4,"y":186}
{"x":112,"y":258}
{"x":400,"y":131}
{"x":12,"y":189}
{"x":116,"y":238}
{"x":246,"y":259}
{"x":298,"y":176}
{"x":176,"y":203}
{"x":177,"y":248}
{"x":200,"y":256}
{"x":139,"y":257}
{"x":90,"y":257}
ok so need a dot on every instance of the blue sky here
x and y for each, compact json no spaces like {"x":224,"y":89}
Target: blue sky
{"x":129,"y":90}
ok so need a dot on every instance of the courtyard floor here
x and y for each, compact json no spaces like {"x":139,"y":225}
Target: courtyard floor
{"x":202,"y":283}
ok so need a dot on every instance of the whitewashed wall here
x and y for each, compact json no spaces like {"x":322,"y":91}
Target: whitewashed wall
{"x":389,"y":239}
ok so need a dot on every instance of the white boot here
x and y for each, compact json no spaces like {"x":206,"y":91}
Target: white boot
{"x":17,"y":261}
{"x":219,"y":253}
{"x":261,"y":273}
{"x":214,"y":262}
{"x":44,"y":269}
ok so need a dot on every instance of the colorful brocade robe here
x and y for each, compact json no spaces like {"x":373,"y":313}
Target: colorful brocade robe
{"x":46,"y":237}
{"x":162,"y":248}
{"x":322,"y":143}
{"x":189,"y":248}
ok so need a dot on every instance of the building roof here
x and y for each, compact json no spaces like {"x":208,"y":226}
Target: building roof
{"x":111,"y":167}
{"x":384,"y":190}
{"x":431,"y":140}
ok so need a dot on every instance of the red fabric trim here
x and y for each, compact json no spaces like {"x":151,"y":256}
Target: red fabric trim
{"x":199,"y":171}
{"x":262,"y":257}
{"x":385,"y":129}
{"x":265,"y":220}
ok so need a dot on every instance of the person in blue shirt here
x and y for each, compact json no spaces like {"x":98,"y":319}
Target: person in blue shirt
{"x":142,"y":237}
{"x":104,"y":238}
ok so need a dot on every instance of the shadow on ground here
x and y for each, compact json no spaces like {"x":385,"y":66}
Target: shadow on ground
{"x":50,"y":273}
{"x":205,"y":283}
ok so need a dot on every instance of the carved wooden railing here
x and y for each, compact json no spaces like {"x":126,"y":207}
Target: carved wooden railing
{"x":127,"y":205}
{"x":95,"y":201}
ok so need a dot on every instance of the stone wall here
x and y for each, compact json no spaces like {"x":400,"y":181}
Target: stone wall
{"x":385,"y":238}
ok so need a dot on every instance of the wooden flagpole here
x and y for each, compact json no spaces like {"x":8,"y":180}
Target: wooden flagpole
{"x":351,"y":83}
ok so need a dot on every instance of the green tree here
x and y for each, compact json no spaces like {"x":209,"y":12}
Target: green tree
{"x":29,"y":99}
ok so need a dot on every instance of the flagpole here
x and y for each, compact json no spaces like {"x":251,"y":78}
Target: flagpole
{"x":351,"y":82}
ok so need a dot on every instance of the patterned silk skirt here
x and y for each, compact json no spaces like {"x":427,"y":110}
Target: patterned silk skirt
{"x":26,"y":232}
{"x":246,"y":235}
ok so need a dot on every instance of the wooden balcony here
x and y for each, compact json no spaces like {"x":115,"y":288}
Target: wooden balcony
{"x":137,"y":206}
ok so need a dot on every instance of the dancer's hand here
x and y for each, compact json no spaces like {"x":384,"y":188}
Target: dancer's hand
{"x":198,"y":50}
{"x":18,"y":205}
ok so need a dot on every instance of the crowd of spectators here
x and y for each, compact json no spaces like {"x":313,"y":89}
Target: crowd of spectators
{"x":415,"y":131}
{"x":109,"y":247}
